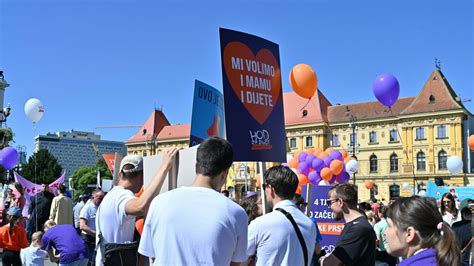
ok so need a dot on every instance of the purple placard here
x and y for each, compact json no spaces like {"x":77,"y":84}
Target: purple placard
{"x":329,"y":228}
{"x":253,"y":97}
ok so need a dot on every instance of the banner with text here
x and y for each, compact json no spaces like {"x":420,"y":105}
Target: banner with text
{"x":208,"y":113}
{"x":329,"y":228}
{"x":30,"y":188}
{"x":252,"y":97}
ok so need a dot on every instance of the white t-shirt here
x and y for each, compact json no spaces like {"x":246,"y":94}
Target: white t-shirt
{"x":273,"y":239}
{"x":112,"y":221}
{"x":194,"y":226}
{"x":32,"y":256}
{"x":88,"y":212}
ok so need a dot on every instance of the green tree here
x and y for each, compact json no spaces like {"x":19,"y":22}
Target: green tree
{"x":47,"y":168}
{"x":87,"y":175}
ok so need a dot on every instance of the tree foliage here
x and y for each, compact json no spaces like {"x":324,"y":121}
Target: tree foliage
{"x":87,"y":175}
{"x":47,"y":168}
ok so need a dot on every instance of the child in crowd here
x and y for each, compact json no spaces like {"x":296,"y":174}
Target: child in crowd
{"x":34,"y":255}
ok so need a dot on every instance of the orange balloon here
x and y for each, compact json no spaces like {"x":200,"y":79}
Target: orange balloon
{"x":323,"y":155}
{"x":302,"y":180}
{"x":296,"y":155}
{"x":470,"y":141}
{"x":303,"y":80}
{"x":298,"y":190}
{"x":336,"y":167}
{"x":326,"y":174}
{"x":293,"y":163}
{"x":369,"y":184}
{"x":310,"y":151}
{"x":348,"y":158}
{"x":344,"y":153}
{"x":329,"y":150}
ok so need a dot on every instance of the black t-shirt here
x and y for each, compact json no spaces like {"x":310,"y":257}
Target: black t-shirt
{"x":463,"y":232}
{"x":356,"y":244}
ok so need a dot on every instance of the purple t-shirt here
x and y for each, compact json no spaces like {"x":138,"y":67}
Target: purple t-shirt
{"x":65,"y":239}
{"x":426,"y":257}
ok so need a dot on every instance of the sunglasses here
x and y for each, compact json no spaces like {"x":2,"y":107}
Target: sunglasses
{"x":329,"y":202}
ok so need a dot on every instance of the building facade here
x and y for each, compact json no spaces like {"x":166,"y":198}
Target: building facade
{"x":407,"y":143}
{"x":76,"y":148}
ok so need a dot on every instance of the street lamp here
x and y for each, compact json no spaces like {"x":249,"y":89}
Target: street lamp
{"x":353,"y":138}
{"x":4,"y":112}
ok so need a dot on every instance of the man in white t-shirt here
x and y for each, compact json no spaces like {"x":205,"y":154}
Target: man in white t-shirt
{"x":197,"y":225}
{"x":115,"y":219}
{"x":272,"y":237}
{"x":87,"y":220}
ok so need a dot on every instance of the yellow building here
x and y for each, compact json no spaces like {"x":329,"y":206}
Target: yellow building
{"x":408,"y":143}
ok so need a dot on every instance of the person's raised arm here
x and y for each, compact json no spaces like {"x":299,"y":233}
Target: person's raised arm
{"x":139,"y":206}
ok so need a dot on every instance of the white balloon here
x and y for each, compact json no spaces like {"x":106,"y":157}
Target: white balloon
{"x":34,"y":109}
{"x":454,"y":164}
{"x":324,"y":183}
{"x":352,"y":167}
{"x":406,"y":186}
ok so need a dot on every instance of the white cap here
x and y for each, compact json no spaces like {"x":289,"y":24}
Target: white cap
{"x":135,"y":160}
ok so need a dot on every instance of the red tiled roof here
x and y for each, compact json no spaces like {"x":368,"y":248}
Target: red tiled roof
{"x":442,"y":95}
{"x":316,"y":107}
{"x":366,"y":110}
{"x":175,"y":132}
{"x":152,"y":127}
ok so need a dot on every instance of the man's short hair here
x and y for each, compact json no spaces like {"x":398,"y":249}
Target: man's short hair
{"x":346,"y":192}
{"x":62,"y":188}
{"x":283,"y":180}
{"x":214,"y":155}
{"x":36,"y":236}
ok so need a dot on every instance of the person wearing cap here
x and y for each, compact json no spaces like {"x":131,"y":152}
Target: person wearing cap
{"x":197,"y":225}
{"x":12,"y":238}
{"x":115,"y":218}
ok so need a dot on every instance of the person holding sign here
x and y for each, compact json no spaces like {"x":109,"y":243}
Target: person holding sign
{"x":356,"y":244}
{"x":197,"y":225}
{"x":116,"y":215}
{"x":285,"y":236}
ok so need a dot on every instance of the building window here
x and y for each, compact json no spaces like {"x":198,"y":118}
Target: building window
{"x":309,"y":141}
{"x":373,"y":164}
{"x":420,"y":133}
{"x":293,"y":143}
{"x":394,"y":191}
{"x":420,"y":161}
{"x":393,"y":163}
{"x":335,"y":140}
{"x":442,"y":160}
{"x":353,"y":139}
{"x":442,"y":131}
{"x":393,"y":135}
{"x":373,"y":137}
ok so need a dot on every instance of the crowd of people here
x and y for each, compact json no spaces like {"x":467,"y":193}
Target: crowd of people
{"x":198,"y":225}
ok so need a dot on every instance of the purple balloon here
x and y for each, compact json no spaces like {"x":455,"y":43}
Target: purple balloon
{"x":302,"y":157}
{"x":314,"y":178}
{"x":303,"y":168}
{"x":309,"y":159}
{"x":317,"y":164}
{"x":327,"y":160}
{"x":386,"y":89}
{"x":336,"y":155}
{"x":333,"y":179}
{"x":8,"y":157}
{"x":343,"y":177}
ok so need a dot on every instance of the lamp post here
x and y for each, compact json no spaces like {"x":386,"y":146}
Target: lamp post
{"x":4,"y":112}
{"x":353,"y":138}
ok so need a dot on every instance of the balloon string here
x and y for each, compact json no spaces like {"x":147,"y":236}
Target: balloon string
{"x":36,"y":182}
{"x":305,"y":104}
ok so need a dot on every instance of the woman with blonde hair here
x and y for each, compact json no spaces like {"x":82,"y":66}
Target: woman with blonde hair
{"x":416,"y":232}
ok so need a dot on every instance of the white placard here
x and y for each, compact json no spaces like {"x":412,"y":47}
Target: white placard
{"x":151,"y":165}
{"x":187,"y":166}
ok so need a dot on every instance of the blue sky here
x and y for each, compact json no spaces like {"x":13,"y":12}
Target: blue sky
{"x":99,"y":62}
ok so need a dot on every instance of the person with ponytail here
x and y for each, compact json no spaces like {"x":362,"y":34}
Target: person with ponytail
{"x":416,"y":232}
{"x":12,"y":238}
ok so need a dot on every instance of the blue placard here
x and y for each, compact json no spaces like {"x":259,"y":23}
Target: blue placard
{"x":208,"y":113}
{"x":329,"y":228}
{"x":253,"y":97}
{"x":460,"y":193}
